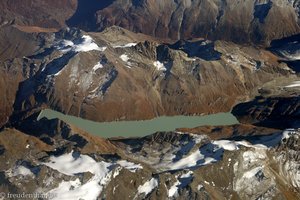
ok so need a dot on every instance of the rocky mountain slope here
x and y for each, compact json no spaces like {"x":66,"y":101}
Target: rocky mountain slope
{"x":258,"y":21}
{"x":247,"y":21}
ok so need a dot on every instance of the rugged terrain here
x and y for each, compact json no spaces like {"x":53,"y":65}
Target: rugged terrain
{"x":146,"y":59}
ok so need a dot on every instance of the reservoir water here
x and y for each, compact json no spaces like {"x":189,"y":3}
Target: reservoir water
{"x":141,"y":128}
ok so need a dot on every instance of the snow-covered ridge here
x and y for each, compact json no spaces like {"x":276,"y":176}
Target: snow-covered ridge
{"x":86,"y":44}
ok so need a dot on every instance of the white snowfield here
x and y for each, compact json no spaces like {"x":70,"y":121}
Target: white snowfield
{"x":71,"y":164}
{"x":87,"y":44}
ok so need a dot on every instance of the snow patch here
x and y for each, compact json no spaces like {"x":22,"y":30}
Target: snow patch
{"x":173,"y":191}
{"x":226,"y":144}
{"x":148,"y":187}
{"x":251,"y":173}
{"x":159,"y":66}
{"x":289,"y":132}
{"x":72,"y":164}
{"x":129,"y":165}
{"x":117,"y":172}
{"x":294,"y":84}
{"x":291,"y":172}
{"x":252,"y":156}
{"x":125,"y":45}
{"x":213,"y":151}
{"x":199,"y":187}
{"x":252,"y":177}
{"x":181,"y":182}
{"x":58,"y":73}
{"x":193,"y":160}
{"x":126,"y":58}
{"x":291,"y":55}
{"x":198,"y":138}
{"x":97,"y":66}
